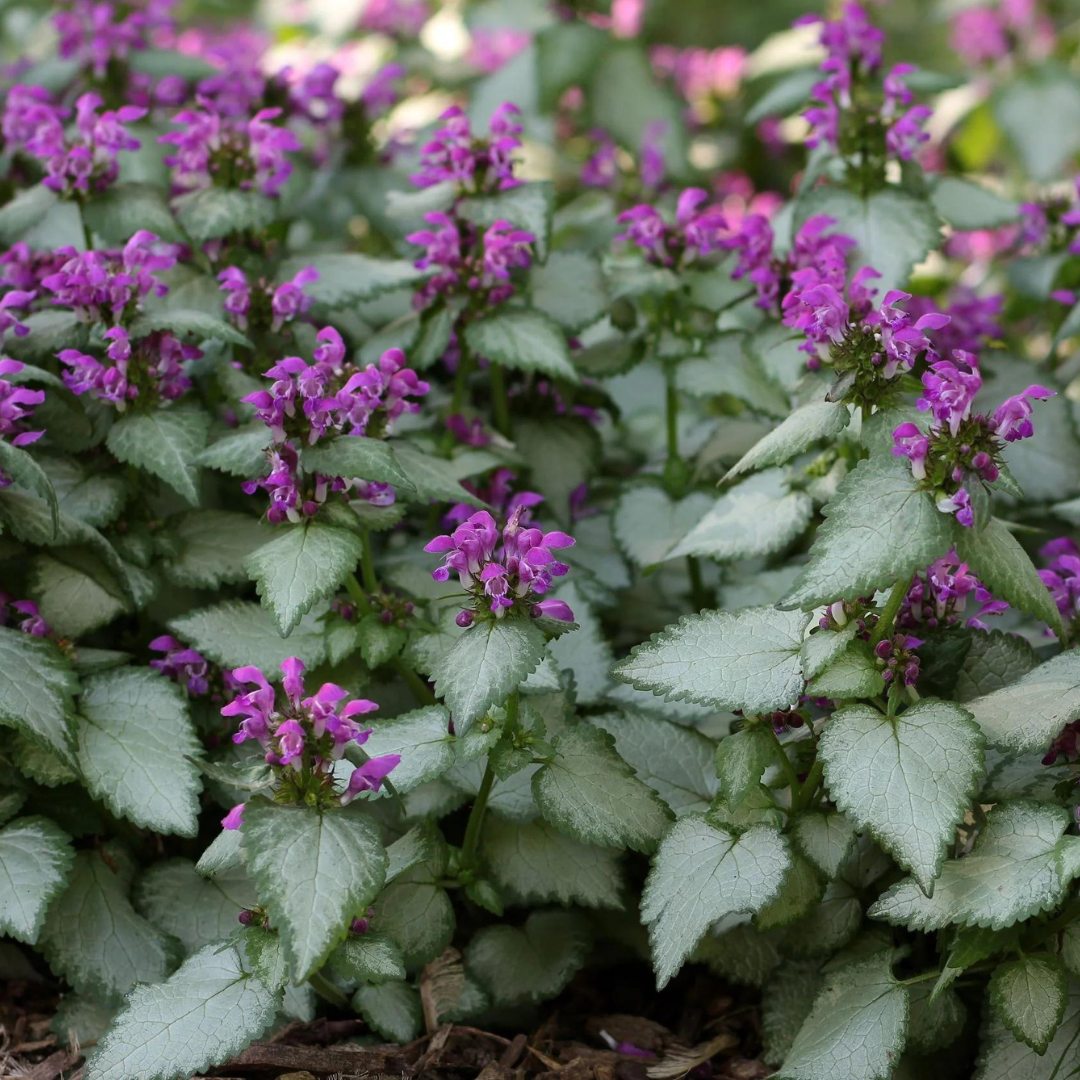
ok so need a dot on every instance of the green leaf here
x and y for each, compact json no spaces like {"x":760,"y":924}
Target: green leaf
{"x":1004,"y":1057}
{"x":856,"y":1027}
{"x":648,"y":524}
{"x":430,"y":478}
{"x":727,"y":367}
{"x":853,"y":674}
{"x":879,"y":529}
{"x":564,"y":452}
{"x":1040,"y":114}
{"x":36,"y":688}
{"x":225,"y":853}
{"x":415,"y":911}
{"x":423,"y":740}
{"x":24,"y":211}
{"x":19,"y":466}
{"x":522,"y":340}
{"x":829,"y":926}
{"x":237,"y":632}
{"x":484,"y":666}
{"x":79,"y":1021}
{"x":965,"y":204}
{"x":742,"y":954}
{"x":758,"y":517}
{"x":590,"y":793}
{"x":120,"y":211}
{"x":186,"y":323}
{"x":192,"y":908}
{"x":528,"y":207}
{"x":994,"y":660}
{"x":355,"y":457}
{"x":392,"y":1009}
{"x":1031,"y":712}
{"x":216,"y":212}
{"x":823,"y":646}
{"x":532,"y":963}
{"x":785,"y":96}
{"x":907,"y":780}
{"x":368,"y":958}
{"x":35,"y":861}
{"x":785,"y":1003}
{"x":934,"y":1023}
{"x":95,"y":939}
{"x":535,"y":864}
{"x":825,"y":838}
{"x":241,"y":454}
{"x":569,"y":288}
{"x":160,"y":62}
{"x":893,"y":229}
{"x":211,"y":548}
{"x":678,"y":763}
{"x":348,"y":278}
{"x":800,"y":893}
{"x":135,"y":741}
{"x":166,"y":443}
{"x":203,"y":1016}
{"x":1002,"y":565}
{"x":566,"y":55}
{"x":1021,"y":865}
{"x":701,"y":873}
{"x":746,"y":660}
{"x":585,"y":653}
{"x":94,"y":498}
{"x":1028,"y":996}
{"x":302,"y":565}
{"x":314,"y":872}
{"x":741,"y":758}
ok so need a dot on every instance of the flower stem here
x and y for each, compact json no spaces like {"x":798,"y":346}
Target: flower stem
{"x":327,"y":990}
{"x":357,"y":595}
{"x":810,"y":785}
{"x":500,"y":403}
{"x":671,"y":414}
{"x":421,"y":690}
{"x":785,"y":764}
{"x":476,"y":815}
{"x":892,"y":608}
{"x":698,"y":595}
{"x":367,"y":564}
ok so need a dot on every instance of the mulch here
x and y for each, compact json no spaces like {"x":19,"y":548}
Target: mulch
{"x":699,"y":1026}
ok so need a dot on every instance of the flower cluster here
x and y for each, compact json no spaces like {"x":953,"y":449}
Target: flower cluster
{"x":895,"y":656}
{"x":604,"y":166}
{"x":264,"y":304}
{"x":97,"y":32}
{"x":109,"y":286}
{"x":846,"y":115}
{"x":83,"y":164}
{"x":702,"y":76}
{"x":510,"y":579}
{"x":309,"y":401}
{"x":973,"y":320}
{"x":492,"y":48}
{"x":982,"y":34}
{"x":502,"y":495}
{"x":939,"y":595}
{"x":302,"y":736}
{"x":215,"y":149}
{"x":468,"y":263}
{"x":395,"y":18}
{"x":696,"y":231}
{"x":182,"y":664}
{"x":960,"y":448}
{"x":150,"y":369}
{"x":817,"y":256}
{"x":23,"y":614}
{"x":1062,"y":576}
{"x":474,"y":164}
{"x":16,"y":406}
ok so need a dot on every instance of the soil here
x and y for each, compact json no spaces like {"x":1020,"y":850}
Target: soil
{"x":699,"y":1026}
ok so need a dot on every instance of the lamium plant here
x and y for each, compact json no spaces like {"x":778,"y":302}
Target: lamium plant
{"x":468,"y":516}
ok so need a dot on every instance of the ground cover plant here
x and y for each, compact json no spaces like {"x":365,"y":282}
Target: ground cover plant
{"x":488,"y":490}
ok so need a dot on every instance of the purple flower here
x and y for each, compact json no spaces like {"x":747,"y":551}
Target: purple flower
{"x":303,"y":735}
{"x":601,"y":169}
{"x":474,"y":164}
{"x":493,"y":48}
{"x":1011,"y":420}
{"x":553,"y":609}
{"x":959,"y":503}
{"x":977,"y":34}
{"x":851,"y":38}
{"x":1062,"y":575}
{"x":912,"y":443}
{"x":370,"y":775}
{"x":905,"y":134}
{"x":181,"y":664}
{"x":950,"y":390}
{"x":902,"y":341}
{"x":16,"y":406}
{"x":382,"y":93}
{"x":234,"y":818}
{"x":265,"y":305}
{"x":696,"y":232}
{"x":938,"y":597}
{"x":506,"y":249}
{"x":94,"y":32}
{"x":396,"y":18}
{"x":522,"y":570}
{"x":32,"y":622}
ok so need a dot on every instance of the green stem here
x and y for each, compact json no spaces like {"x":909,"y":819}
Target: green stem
{"x":809,"y":787}
{"x":327,"y":990}
{"x":476,"y":820}
{"x":698,"y":595}
{"x":421,"y":690}
{"x":367,"y":564}
{"x":88,"y":236}
{"x":888,"y":616}
{"x":926,"y":975}
{"x":671,"y":414}
{"x":500,"y":403}
{"x":790,"y":775}
{"x":357,"y":595}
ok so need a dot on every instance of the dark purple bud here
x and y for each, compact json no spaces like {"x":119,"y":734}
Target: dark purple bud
{"x":911,"y":673}
{"x":359,"y":926}
{"x":245,"y":918}
{"x":386,"y":616}
{"x":883,"y":649}
{"x":464,"y":618}
{"x":887,"y":674}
